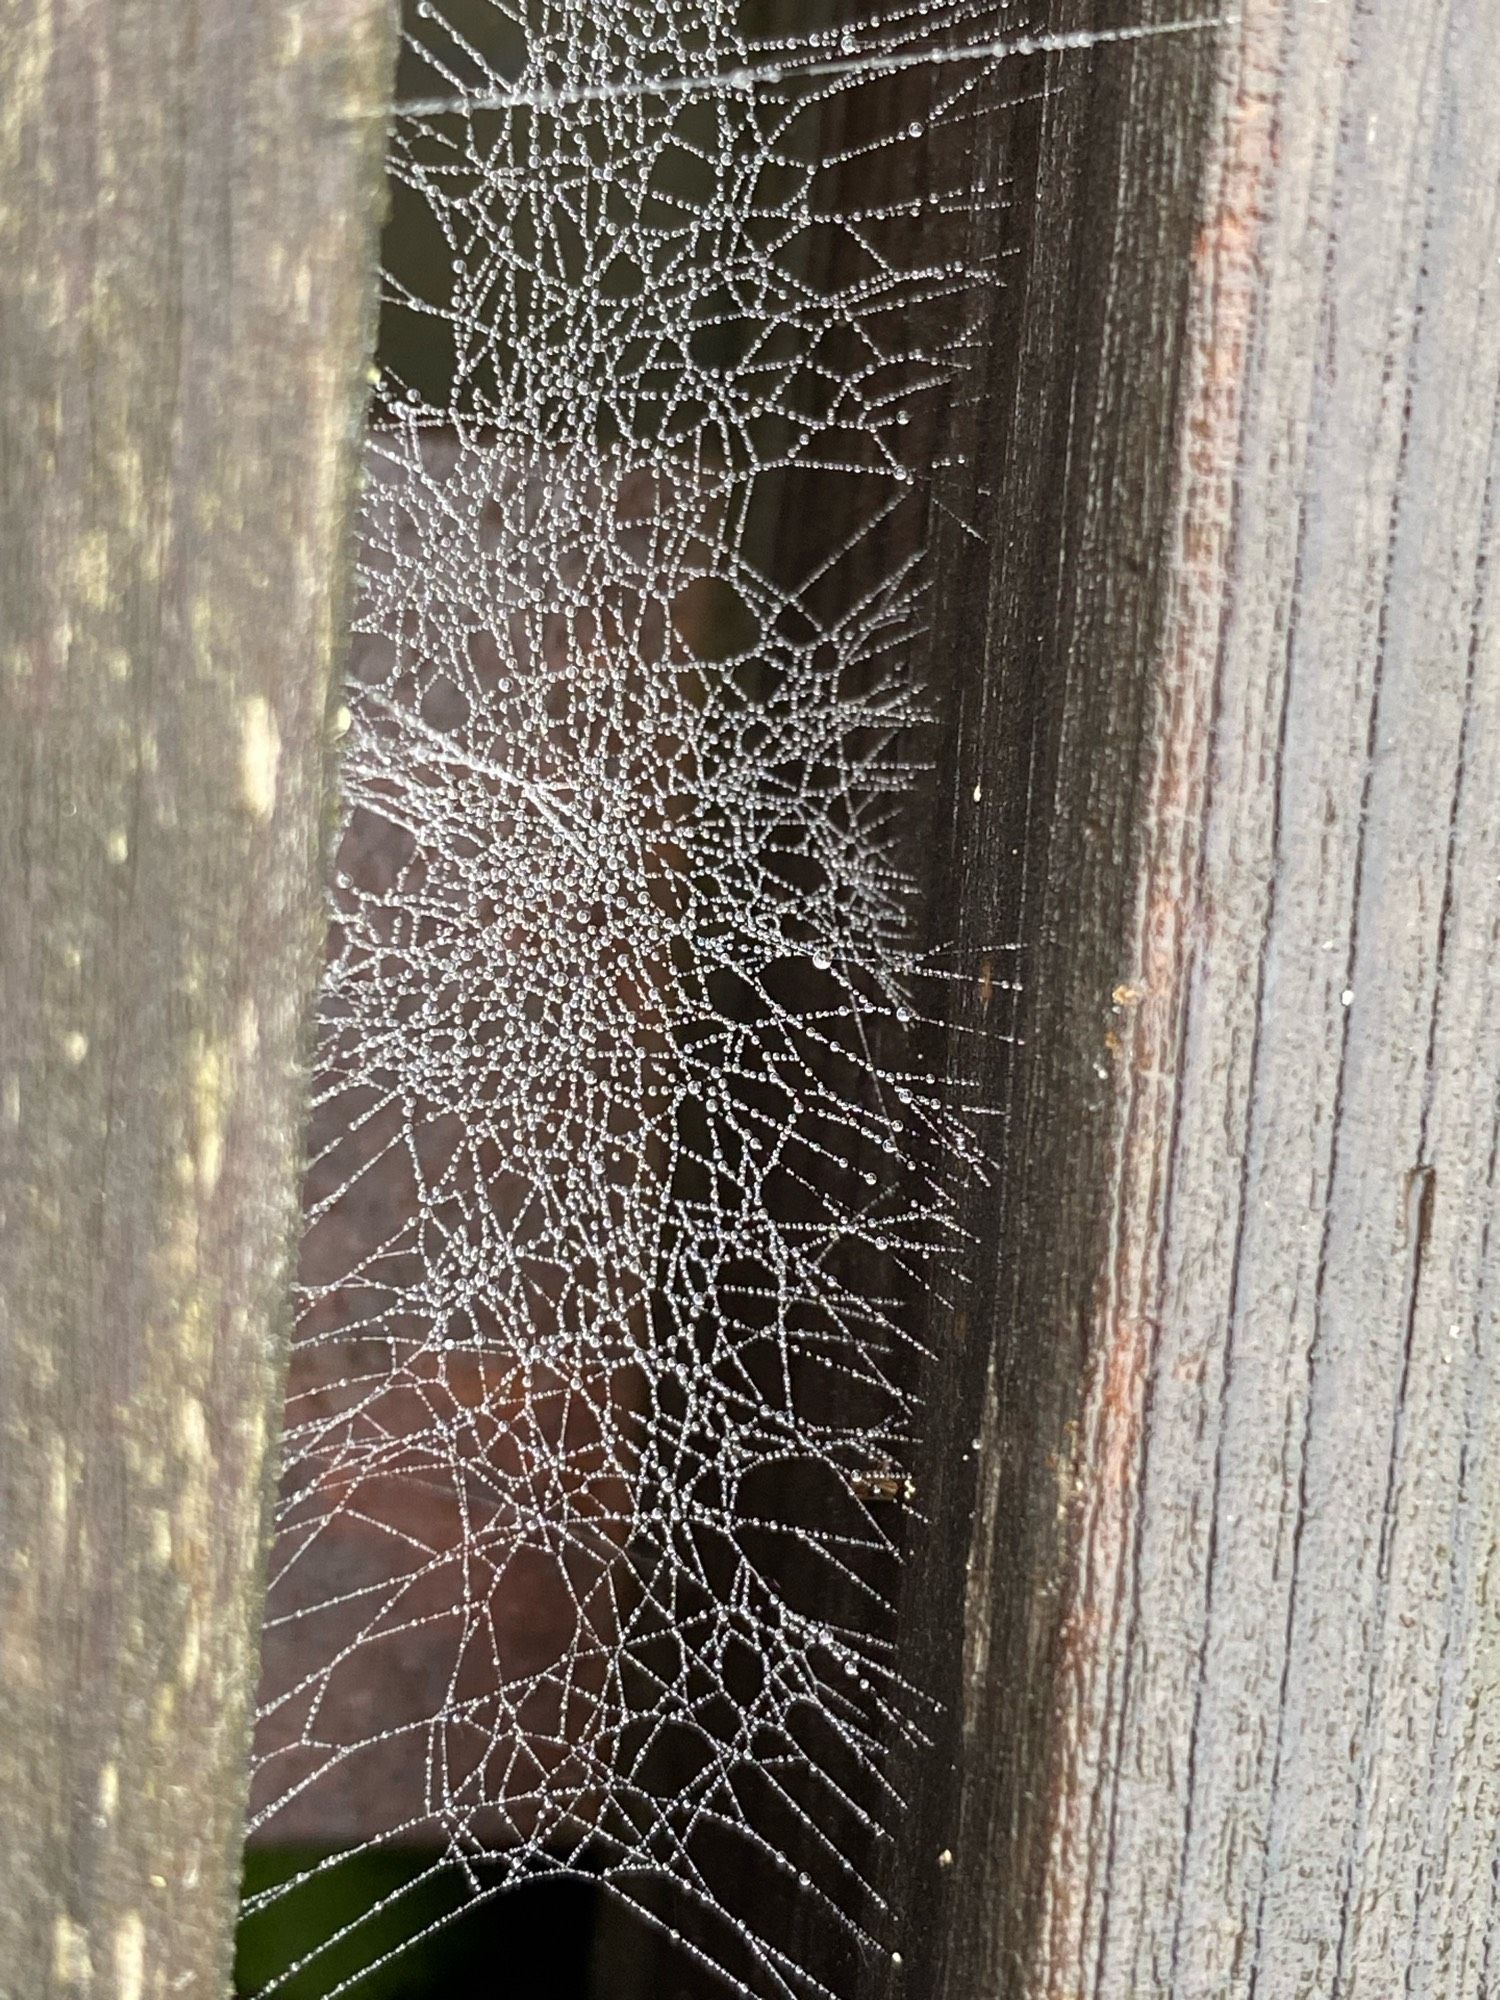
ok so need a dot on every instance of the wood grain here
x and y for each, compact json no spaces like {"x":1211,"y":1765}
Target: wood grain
{"x":1213,"y":1466}
{"x":189,"y":202}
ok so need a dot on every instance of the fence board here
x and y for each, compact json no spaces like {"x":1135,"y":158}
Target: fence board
{"x":191,"y":198}
{"x":1213,"y":1472}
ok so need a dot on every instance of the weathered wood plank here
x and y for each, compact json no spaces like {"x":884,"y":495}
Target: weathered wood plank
{"x":1224,"y":1697}
{"x":187,"y":227}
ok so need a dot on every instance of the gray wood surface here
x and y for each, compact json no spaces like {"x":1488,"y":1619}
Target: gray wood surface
{"x":189,"y":198}
{"x":1214,"y":1468}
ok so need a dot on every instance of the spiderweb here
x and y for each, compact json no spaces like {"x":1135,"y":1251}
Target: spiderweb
{"x":629,"y":1160}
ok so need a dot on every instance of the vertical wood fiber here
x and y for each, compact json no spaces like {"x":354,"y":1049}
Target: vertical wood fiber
{"x":1214,"y":1463}
{"x":189,"y":203}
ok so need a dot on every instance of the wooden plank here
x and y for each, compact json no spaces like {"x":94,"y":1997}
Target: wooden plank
{"x":1223,"y":1687}
{"x":191,"y":199}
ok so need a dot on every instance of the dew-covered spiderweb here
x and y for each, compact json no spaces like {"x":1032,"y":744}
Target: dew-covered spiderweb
{"x":630,"y":1159}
